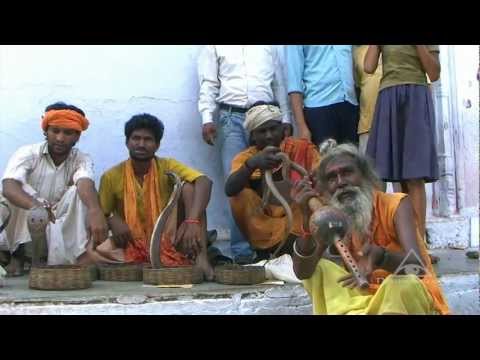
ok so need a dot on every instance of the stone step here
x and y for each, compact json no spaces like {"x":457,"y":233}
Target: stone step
{"x":457,"y":274}
{"x":461,"y":292}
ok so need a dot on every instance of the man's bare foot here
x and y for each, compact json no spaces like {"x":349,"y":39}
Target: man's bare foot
{"x":15,"y":267}
{"x":92,"y":257}
{"x":203,"y":265}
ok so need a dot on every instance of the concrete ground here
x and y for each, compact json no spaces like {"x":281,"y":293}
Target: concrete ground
{"x":458,"y":276}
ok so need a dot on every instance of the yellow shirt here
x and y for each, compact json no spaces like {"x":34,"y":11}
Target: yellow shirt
{"x":368,"y":85}
{"x":111,"y":185}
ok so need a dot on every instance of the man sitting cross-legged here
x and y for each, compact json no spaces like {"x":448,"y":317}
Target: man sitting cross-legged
{"x":265,"y":228}
{"x":49,"y":188}
{"x":134,"y":193}
{"x":383,"y":240}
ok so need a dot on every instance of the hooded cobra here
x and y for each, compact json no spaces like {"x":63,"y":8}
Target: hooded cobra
{"x":162,"y":220}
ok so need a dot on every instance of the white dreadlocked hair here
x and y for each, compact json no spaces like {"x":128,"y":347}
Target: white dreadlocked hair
{"x":359,"y":209}
{"x":330,"y":150}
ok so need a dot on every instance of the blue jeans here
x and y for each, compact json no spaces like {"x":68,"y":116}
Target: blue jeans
{"x":232,"y":138}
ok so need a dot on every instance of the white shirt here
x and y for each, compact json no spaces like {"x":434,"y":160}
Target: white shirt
{"x":32,"y":165}
{"x":240,"y":75}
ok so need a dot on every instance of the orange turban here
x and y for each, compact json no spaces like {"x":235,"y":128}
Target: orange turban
{"x":67,"y":119}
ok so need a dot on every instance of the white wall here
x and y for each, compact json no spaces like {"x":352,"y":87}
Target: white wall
{"x":467,"y":63}
{"x":110,"y":83}
{"x":457,"y":109}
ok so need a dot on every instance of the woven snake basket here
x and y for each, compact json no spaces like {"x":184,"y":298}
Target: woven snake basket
{"x":93,"y":272}
{"x":171,"y":276}
{"x":60,"y":277}
{"x":121,"y":272}
{"x":233,"y":274}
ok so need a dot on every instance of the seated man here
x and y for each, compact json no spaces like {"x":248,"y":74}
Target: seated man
{"x":55,"y":181}
{"x":265,"y":228}
{"x":383,"y":240}
{"x":134,"y":193}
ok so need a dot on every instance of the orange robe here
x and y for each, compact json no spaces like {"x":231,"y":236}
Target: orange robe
{"x":266,"y":228}
{"x":121,"y":194}
{"x":384,"y":235}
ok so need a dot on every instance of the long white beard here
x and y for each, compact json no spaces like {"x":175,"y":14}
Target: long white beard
{"x":357,"y":207}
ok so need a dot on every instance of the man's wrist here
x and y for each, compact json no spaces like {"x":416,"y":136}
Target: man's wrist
{"x":207,"y":118}
{"x":95,"y":210}
{"x":192,"y":221}
{"x":36,"y":204}
{"x":304,"y":247}
{"x":305,"y":207}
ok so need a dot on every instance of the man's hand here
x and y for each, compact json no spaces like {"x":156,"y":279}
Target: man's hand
{"x":122,"y":235}
{"x":304,"y":133}
{"x":301,"y":192}
{"x":188,"y":240}
{"x":370,"y":256}
{"x":47,"y":206}
{"x":265,"y":159}
{"x":209,"y":133}
{"x":97,"y":226}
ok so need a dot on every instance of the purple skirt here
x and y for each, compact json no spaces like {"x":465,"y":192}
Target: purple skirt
{"x":402,"y":142}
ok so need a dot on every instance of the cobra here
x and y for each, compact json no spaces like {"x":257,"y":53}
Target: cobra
{"x":162,"y":220}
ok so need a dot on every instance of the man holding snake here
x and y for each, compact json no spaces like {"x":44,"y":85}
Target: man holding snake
{"x":265,"y":226}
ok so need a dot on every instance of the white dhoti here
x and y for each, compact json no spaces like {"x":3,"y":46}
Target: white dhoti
{"x":67,"y":238}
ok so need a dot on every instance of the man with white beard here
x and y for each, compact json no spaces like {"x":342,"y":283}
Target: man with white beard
{"x":383,"y":239}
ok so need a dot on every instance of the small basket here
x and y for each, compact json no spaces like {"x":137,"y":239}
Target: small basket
{"x":60,"y":277}
{"x":234,"y":274}
{"x":121,"y":272}
{"x":93,"y":272}
{"x":172,"y":275}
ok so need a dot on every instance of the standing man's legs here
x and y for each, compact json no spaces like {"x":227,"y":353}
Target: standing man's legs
{"x":337,"y":121}
{"x":320,"y":123}
{"x":232,"y":139}
{"x":347,"y":122}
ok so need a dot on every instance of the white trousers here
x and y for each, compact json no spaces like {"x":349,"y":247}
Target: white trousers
{"x":66,"y":239}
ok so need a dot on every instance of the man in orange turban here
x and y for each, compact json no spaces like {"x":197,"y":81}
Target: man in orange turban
{"x":52,"y":181}
{"x":65,"y":118}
